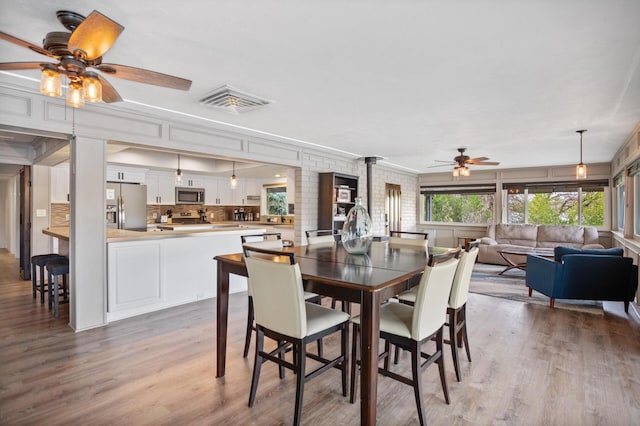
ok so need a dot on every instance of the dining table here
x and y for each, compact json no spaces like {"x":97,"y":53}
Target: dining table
{"x":329,"y":270}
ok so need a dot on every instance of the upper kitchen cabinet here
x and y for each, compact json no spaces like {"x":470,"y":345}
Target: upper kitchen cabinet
{"x":125,"y":174}
{"x":161,"y":188}
{"x":193,"y":181}
{"x":59,"y":184}
{"x":252,"y":189}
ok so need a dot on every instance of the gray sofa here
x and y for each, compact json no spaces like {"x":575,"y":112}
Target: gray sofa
{"x":503,"y":236}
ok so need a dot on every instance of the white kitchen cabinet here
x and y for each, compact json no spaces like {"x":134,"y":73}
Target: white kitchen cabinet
{"x":125,"y":174}
{"x":252,"y":189}
{"x":59,"y":180}
{"x":161,"y":188}
{"x":149,"y":275}
{"x":193,"y":181}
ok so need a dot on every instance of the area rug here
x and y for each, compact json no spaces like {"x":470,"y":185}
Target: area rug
{"x":511,"y":285}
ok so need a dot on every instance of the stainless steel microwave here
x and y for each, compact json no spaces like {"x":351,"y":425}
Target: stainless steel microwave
{"x":188,"y":195}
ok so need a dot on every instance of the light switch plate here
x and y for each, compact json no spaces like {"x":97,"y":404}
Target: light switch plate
{"x":41,"y":212}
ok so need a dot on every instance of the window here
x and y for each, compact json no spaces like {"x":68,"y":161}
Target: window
{"x":276,"y":199}
{"x":557,"y":203}
{"x":460,"y":204}
{"x":618,"y":183}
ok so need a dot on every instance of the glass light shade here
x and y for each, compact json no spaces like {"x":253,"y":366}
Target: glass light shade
{"x":357,"y":231}
{"x":581,"y":171}
{"x":92,"y":87}
{"x":464,"y":171}
{"x":75,"y":95}
{"x":456,"y":171}
{"x":234,"y":181}
{"x":50,"y":82}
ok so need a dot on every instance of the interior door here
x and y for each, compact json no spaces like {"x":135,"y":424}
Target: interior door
{"x":392,"y":207}
{"x":25,"y":223}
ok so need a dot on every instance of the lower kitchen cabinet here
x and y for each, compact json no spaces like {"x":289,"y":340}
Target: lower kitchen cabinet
{"x":153,"y":274}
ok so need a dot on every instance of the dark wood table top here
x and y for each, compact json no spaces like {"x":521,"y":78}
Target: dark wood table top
{"x":382,"y":266}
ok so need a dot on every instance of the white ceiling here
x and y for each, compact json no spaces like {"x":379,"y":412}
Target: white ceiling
{"x":406,"y":80}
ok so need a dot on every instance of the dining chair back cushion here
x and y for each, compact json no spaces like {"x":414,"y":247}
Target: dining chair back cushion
{"x":278,"y":296}
{"x":462,"y":279}
{"x":430,"y":309}
{"x":322,"y":239}
{"x":408,"y":242}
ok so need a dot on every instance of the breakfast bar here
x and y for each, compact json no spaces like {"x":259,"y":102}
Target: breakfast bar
{"x":150,"y":271}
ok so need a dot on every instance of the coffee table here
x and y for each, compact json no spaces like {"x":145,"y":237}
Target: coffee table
{"x":517,"y":257}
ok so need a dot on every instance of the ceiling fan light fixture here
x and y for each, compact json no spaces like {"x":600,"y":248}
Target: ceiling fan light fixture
{"x":92,"y":87}
{"x":75,"y":94}
{"x":581,"y":168}
{"x":50,"y":81}
{"x":456,"y":171}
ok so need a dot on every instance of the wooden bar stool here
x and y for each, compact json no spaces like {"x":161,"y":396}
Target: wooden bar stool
{"x":55,"y":269}
{"x":41,"y":260}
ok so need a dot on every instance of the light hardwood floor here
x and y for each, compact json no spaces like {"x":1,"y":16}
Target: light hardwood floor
{"x":531,"y":366}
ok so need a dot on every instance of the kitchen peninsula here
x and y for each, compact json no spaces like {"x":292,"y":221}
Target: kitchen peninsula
{"x":149,"y":271}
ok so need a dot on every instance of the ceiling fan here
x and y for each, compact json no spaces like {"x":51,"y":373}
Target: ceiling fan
{"x":460,"y":162}
{"x":79,"y":52}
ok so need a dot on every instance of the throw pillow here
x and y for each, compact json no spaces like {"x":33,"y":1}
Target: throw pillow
{"x":560,"y":251}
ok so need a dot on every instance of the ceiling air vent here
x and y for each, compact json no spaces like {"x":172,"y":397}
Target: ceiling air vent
{"x":233,"y":100}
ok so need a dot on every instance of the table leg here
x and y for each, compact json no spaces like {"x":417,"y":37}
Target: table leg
{"x":222,"y":315}
{"x":370,"y":331}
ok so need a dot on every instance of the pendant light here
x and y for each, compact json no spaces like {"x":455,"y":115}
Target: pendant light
{"x":581,"y":168}
{"x":234,"y":180}
{"x":178,"y":173}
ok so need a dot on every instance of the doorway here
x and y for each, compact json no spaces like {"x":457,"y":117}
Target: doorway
{"x":392,"y":212}
{"x":25,"y":222}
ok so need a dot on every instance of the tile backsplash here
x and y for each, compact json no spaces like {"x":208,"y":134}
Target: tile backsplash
{"x":60,"y":212}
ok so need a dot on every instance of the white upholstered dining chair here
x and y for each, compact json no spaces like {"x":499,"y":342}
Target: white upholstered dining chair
{"x":282,"y":314}
{"x":410,"y":326}
{"x":271,"y":241}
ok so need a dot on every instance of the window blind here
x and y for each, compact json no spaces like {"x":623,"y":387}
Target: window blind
{"x":458,"y":189}
{"x":548,"y":187}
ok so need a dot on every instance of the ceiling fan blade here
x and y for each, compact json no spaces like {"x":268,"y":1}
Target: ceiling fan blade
{"x":441,"y":165}
{"x":109,"y":94}
{"x":20,"y":42}
{"x":94,"y":36}
{"x":475,"y":160}
{"x":8,"y":66}
{"x":145,"y":76}
{"x":486,"y":163}
{"x":445,"y":161}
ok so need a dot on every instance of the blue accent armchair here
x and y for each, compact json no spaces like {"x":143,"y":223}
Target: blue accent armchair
{"x":584,"y":274}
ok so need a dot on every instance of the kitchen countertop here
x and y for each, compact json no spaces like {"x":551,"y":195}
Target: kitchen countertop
{"x":120,"y":235}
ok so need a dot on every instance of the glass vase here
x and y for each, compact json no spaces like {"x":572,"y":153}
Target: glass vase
{"x":357,"y":231}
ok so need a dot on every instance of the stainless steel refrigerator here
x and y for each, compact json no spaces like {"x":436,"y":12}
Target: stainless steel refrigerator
{"x":126,"y":206}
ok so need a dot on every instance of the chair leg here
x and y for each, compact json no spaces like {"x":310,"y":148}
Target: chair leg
{"x":344,"y":349}
{"x":387,"y":354}
{"x":453,"y":325}
{"x":626,"y":306}
{"x":416,"y":359}
{"x":355,"y":345}
{"x":247,"y":338}
{"x":281,"y":356}
{"x":552,"y":302}
{"x":300,"y":378}
{"x":56,"y":296}
{"x":257,"y":364}
{"x":464,"y":331}
{"x":440,"y":361}
{"x":396,"y":356}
